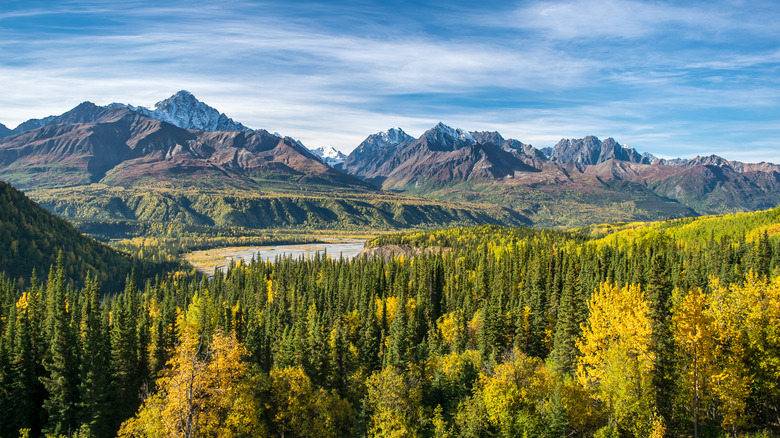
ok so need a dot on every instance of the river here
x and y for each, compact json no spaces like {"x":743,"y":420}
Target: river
{"x":207,"y":260}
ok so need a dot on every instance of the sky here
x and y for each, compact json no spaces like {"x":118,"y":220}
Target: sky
{"x":674,"y":78}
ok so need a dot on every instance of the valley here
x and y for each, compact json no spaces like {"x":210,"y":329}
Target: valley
{"x":206,"y":261}
{"x":455,"y":284}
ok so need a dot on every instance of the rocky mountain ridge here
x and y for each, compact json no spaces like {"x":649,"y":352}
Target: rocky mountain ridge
{"x":591,"y":150}
{"x":185,"y":111}
{"x":115,"y":145}
{"x":186,"y":142}
{"x":444,"y":158}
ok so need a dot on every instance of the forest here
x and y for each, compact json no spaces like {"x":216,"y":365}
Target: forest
{"x":624,"y":330}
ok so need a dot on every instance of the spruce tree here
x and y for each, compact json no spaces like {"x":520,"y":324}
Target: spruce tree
{"x":567,"y":326}
{"x":59,"y":380}
{"x":491,"y":336}
{"x":124,"y":355}
{"x":6,"y":375}
{"x":370,"y":340}
{"x":26,"y":387}
{"x":93,"y":363}
{"x":398,"y":348}
{"x":659,"y":290}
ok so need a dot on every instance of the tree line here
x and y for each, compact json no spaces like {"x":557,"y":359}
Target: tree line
{"x":495,"y":332}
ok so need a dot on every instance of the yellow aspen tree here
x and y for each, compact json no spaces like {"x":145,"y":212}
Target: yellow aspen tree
{"x":206,"y":390}
{"x":694,"y":334}
{"x":616,"y":360}
{"x":396,"y":405}
{"x":519,"y":384}
{"x":730,"y":381}
{"x":299,"y":409}
{"x":762,"y":324}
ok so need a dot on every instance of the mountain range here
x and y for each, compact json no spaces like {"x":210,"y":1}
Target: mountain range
{"x":117,"y":145}
{"x":183,"y":144}
{"x":573,"y":176}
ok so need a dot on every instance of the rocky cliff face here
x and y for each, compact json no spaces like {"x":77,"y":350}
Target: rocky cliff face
{"x":591,"y":150}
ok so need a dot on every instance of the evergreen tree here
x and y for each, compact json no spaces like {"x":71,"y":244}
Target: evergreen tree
{"x":93,"y":363}
{"x":124,"y":354}
{"x":6,"y":374}
{"x":492,"y":333}
{"x":398,"y":348}
{"x":26,"y":387}
{"x":59,"y":380}
{"x":659,"y":291}
{"x":567,"y":327}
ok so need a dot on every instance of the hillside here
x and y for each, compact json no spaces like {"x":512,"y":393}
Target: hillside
{"x":749,"y":227}
{"x":576,"y":182}
{"x":185,"y":162}
{"x":471,"y":331}
{"x":232,"y":208}
{"x":31,"y":238}
{"x":120,"y":147}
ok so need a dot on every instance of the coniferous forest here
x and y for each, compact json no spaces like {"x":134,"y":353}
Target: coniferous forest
{"x":631,"y":330}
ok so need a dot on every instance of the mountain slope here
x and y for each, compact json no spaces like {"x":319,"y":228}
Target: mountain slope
{"x":366,"y":159}
{"x":115,"y":163}
{"x":440,"y":156}
{"x":230,"y":208}
{"x":583,"y":180}
{"x":31,"y":238}
{"x":118,"y":146}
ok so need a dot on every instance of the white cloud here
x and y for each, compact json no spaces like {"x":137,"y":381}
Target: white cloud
{"x":628,"y":19}
{"x":332,"y":86}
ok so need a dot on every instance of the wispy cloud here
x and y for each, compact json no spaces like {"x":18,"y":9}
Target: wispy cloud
{"x":647,"y":73}
{"x":626,"y":19}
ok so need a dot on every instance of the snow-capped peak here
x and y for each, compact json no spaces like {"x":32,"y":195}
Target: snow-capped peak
{"x":457,"y":134}
{"x":394,"y":136}
{"x":329,"y":155}
{"x":184,"y":110}
{"x":391,"y":138}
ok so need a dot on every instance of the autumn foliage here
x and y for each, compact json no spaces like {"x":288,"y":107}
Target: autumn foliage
{"x":492,"y":332}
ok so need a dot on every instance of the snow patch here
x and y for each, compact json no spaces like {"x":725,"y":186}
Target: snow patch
{"x":458,"y":134}
{"x":330,"y":155}
{"x":186,"y":111}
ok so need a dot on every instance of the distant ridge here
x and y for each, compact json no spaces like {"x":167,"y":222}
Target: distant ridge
{"x":456,"y":164}
{"x":117,"y":145}
{"x":183,"y":143}
{"x":184,"y":110}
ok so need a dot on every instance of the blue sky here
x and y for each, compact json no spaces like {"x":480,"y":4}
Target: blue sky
{"x":675,"y":78}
